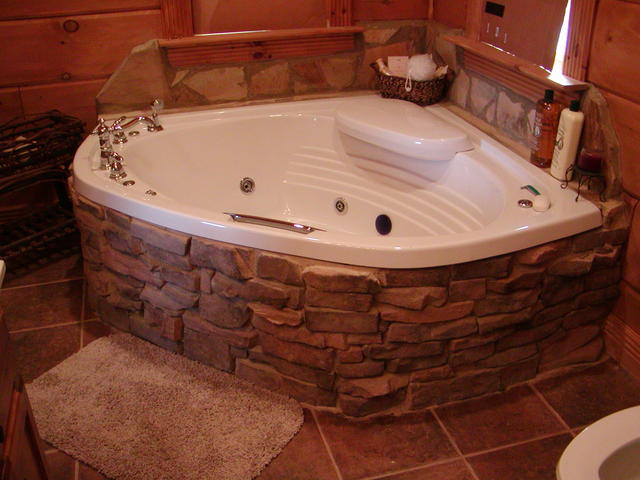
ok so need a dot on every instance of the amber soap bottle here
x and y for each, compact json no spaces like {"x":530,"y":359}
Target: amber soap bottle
{"x":544,"y":130}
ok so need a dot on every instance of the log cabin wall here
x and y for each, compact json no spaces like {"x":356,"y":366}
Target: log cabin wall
{"x":614,"y":68}
{"x":58,"y":54}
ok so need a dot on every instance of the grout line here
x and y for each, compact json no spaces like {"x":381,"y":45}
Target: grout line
{"x":52,"y":282}
{"x":82,"y":311}
{"x":412,"y":469}
{"x":32,"y":329}
{"x":515,"y":444}
{"x":326,"y":444}
{"x":453,"y":442}
{"x":548,"y":405}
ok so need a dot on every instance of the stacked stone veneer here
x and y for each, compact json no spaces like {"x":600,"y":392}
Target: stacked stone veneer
{"x":361,"y":340}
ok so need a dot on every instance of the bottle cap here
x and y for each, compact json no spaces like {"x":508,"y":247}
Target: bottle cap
{"x":574,"y":106}
{"x":548,"y":95}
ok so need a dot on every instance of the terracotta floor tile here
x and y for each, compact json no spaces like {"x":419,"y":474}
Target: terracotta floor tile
{"x":535,"y":460}
{"x":456,"y":470}
{"x":93,"y":330}
{"x":61,"y":466}
{"x":583,"y":397}
{"x":43,"y":305}
{"x":39,"y":350}
{"x":63,"y":269}
{"x":305,"y":457}
{"x":508,"y":417}
{"x":386,"y":444}
{"x":88,"y":473}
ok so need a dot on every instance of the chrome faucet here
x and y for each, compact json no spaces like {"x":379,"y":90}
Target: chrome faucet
{"x":116,"y":170}
{"x":105,"y":143}
{"x":153,"y":124}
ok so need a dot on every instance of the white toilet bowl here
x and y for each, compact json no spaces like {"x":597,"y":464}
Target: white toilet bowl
{"x":609,"y":449}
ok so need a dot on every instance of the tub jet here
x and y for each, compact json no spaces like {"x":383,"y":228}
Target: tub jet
{"x":383,"y":224}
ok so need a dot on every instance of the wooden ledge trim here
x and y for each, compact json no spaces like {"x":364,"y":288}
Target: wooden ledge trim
{"x":220,"y":48}
{"x":523,"y":77}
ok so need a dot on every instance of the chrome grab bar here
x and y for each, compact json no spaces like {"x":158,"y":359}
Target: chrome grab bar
{"x":271,"y":222}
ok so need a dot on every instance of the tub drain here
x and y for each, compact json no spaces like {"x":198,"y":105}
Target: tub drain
{"x":340,"y":204}
{"x":247,"y":185}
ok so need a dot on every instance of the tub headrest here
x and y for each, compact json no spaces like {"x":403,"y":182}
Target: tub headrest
{"x":401,"y":127}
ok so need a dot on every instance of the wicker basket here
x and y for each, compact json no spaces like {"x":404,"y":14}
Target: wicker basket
{"x":422,"y":93}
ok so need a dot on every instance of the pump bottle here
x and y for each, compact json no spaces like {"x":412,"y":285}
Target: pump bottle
{"x":566,"y":147}
{"x":544,"y":130}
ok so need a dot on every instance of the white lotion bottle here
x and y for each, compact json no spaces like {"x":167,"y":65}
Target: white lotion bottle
{"x":567,"y":139}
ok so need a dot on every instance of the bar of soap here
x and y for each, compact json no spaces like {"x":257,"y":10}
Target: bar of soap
{"x":541,"y":203}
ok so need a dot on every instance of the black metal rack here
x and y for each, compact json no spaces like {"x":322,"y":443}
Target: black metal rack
{"x":35,"y":152}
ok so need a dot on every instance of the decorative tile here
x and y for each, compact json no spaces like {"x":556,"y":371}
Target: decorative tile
{"x":500,"y":419}
{"x":583,"y":397}
{"x":305,"y":457}
{"x":39,"y":350}
{"x":534,"y":460}
{"x":42,"y":305}
{"x":384,"y":444}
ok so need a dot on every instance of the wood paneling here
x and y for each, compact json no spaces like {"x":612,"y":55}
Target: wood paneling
{"x":243,"y":15}
{"x":42,"y":51}
{"x":615,"y":51}
{"x":21,"y":9}
{"x":255,"y":46}
{"x":73,"y":98}
{"x":453,"y":14}
{"x":389,"y":9}
{"x":340,"y":13}
{"x":516,"y":33}
{"x":177,"y":18}
{"x":10,"y":104}
{"x":623,"y":344}
{"x":626,"y":119}
{"x":576,"y":58}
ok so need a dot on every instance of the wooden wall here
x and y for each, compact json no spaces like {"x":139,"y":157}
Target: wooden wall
{"x":615,"y":68}
{"x":58,"y":54}
{"x":239,"y":15}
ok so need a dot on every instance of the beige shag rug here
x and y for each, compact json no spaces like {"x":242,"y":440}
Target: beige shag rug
{"x":134,"y":411}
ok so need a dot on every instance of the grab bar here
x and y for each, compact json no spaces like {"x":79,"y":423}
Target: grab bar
{"x":271,"y":222}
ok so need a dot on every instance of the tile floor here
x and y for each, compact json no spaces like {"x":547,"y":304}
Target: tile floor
{"x":518,"y":434}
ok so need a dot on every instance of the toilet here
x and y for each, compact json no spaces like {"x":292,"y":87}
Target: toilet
{"x":609,"y":449}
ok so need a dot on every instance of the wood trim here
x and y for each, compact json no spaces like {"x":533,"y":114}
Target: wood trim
{"x":623,"y":344}
{"x":254,"y":46}
{"x":474,"y":19}
{"x":177,"y":18}
{"x":340,"y":13}
{"x":520,"y":75}
{"x":581,"y":20}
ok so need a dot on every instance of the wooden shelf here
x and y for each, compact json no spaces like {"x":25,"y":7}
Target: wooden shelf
{"x":234,"y":47}
{"x":520,"y":75}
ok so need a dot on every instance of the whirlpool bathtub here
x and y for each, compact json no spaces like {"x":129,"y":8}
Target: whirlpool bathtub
{"x":356,"y":180}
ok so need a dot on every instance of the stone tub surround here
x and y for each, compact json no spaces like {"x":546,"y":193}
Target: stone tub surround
{"x":146,"y":73}
{"x":356,"y":340}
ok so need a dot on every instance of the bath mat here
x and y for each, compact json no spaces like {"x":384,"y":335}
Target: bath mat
{"x":134,"y":411}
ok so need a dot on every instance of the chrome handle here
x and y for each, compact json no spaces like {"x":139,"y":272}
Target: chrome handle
{"x":271,"y":222}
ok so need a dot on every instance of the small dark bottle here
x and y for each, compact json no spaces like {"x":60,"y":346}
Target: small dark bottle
{"x":544,"y":130}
